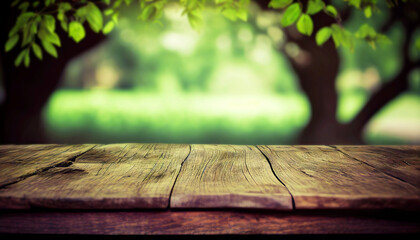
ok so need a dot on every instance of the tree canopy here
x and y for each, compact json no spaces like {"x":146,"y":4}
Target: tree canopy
{"x":36,"y":23}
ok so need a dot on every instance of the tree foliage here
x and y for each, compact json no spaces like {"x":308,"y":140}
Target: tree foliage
{"x":36,"y":23}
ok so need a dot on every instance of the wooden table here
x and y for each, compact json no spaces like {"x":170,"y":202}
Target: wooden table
{"x":209,"y":189}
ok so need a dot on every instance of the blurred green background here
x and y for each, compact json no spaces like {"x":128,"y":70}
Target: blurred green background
{"x":164,"y":82}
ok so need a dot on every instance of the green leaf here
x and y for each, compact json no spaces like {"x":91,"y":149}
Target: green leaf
{"x":20,"y":57}
{"x":64,"y":6}
{"x":11,"y":42}
{"x":114,"y":17}
{"x":52,"y":37}
{"x":64,"y":23}
{"x":27,"y":35}
{"x":14,"y":30}
{"x":331,"y":10}
{"x":368,"y":11}
{"x":23,"y":6}
{"x":305,"y":25}
{"x":76,"y":31}
{"x":148,"y":13}
{"x":323,"y":35}
{"x":117,"y":3}
{"x":195,"y":20}
{"x":49,"y":48}
{"x":314,"y":6}
{"x":81,"y":12}
{"x":366,"y":31}
{"x":108,"y":12}
{"x":108,"y":27}
{"x":355,"y":3}
{"x":337,"y":34}
{"x":49,"y":22}
{"x":291,"y":14}
{"x":276,"y":4}
{"x":230,"y":13}
{"x":60,"y":15}
{"x":37,"y":50}
{"x":27,"y":58}
{"x":342,"y":37}
{"x":34,"y":28}
{"x":64,"y":26}
{"x":242,"y":14}
{"x":233,"y":12}
{"x":383,"y":39}
{"x":24,"y":18}
{"x":94,"y":17}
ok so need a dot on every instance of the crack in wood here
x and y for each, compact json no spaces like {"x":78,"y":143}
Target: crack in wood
{"x":176,"y":178}
{"x":65,"y":163}
{"x":361,"y":161}
{"x":271,"y":167}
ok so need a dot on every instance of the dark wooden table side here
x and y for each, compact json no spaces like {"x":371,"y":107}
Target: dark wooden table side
{"x":219,"y":221}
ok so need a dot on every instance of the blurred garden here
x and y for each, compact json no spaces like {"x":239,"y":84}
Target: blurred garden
{"x":227,"y":83}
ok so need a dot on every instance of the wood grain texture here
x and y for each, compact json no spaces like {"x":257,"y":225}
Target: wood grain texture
{"x":20,"y":161}
{"x":116,"y":176}
{"x":233,"y":176}
{"x":321,"y":177}
{"x":207,"y":222}
{"x":402,"y":162}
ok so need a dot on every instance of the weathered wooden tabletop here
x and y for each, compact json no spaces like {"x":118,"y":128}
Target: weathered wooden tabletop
{"x":202,"y":189}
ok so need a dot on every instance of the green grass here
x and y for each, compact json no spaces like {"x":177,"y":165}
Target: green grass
{"x":397,"y":123}
{"x":75,"y":116}
{"x":107,"y":116}
{"x":349,"y":104}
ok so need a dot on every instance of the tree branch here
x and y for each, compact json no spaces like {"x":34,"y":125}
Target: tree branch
{"x":390,"y":90}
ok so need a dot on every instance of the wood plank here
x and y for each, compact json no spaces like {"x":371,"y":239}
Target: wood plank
{"x":220,"y":176}
{"x":320,"y":177}
{"x":116,"y":176}
{"x":402,"y":162}
{"x":19,"y":161}
{"x":208,"y":222}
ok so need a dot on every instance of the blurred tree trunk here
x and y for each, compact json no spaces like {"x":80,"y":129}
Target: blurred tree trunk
{"x":317,"y":69}
{"x":28,"y":89}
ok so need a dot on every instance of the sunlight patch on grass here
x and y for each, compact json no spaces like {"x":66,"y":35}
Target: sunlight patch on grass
{"x":131,"y":116}
{"x":396,"y":123}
